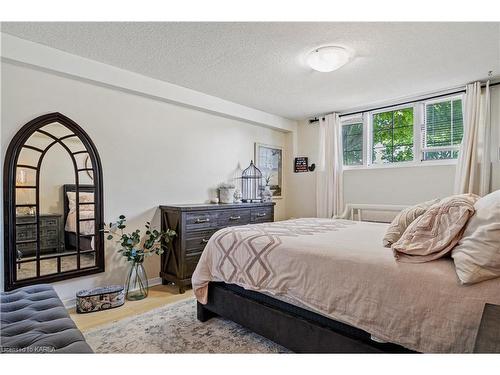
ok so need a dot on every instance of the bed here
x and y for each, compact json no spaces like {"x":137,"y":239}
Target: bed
{"x":86,"y":226}
{"x":328,"y":285}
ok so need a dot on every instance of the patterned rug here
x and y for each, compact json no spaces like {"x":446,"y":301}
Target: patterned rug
{"x":175,"y":329}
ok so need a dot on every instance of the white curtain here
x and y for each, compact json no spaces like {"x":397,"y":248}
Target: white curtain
{"x":329,"y":189}
{"x":473,"y":173}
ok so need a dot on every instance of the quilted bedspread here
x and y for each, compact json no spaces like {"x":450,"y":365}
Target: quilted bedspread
{"x":340,"y":269}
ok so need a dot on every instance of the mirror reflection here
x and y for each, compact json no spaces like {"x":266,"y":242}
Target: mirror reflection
{"x":55,"y":228}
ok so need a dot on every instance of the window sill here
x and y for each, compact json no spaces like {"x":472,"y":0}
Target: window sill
{"x":413,"y":164}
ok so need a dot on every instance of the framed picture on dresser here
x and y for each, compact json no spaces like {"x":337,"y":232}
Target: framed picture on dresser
{"x":269,"y":159}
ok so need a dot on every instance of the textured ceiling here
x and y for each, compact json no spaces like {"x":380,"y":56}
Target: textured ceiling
{"x":261,"y":65}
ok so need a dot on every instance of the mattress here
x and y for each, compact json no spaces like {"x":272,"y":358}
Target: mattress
{"x":340,"y":269}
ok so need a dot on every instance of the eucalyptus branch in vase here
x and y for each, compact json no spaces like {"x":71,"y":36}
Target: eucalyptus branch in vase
{"x":135,"y":248}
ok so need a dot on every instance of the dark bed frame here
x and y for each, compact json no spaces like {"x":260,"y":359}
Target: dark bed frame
{"x":295,"y":328}
{"x":70,"y":237}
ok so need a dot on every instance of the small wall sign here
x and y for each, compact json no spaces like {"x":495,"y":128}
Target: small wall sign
{"x":301,"y":164}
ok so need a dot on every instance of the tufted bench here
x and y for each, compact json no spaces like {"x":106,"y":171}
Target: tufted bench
{"x":34,"y":320}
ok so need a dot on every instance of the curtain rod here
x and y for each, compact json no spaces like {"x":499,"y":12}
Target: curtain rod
{"x":401,"y":103}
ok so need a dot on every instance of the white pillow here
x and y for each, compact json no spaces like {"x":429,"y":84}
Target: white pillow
{"x":403,"y":220}
{"x":84,"y":198}
{"x":477,"y":255}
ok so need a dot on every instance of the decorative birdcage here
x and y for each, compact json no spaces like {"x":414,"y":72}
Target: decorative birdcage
{"x":250,"y":182}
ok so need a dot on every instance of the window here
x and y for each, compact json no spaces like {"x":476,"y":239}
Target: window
{"x":443,"y":129}
{"x":392,"y":136}
{"x":352,"y":143}
{"x":409,"y":134}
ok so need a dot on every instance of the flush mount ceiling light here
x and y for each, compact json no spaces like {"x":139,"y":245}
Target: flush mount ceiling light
{"x":328,"y":59}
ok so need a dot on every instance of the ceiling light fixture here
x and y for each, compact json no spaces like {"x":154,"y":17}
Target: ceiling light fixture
{"x":328,"y":59}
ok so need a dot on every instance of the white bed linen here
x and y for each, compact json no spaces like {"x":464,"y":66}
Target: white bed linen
{"x":341,"y":270}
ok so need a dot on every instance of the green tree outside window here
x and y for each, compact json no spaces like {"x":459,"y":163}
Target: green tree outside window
{"x":392,"y":136}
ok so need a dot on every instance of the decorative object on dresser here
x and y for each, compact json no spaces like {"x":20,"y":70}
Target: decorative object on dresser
{"x":100,"y":298}
{"x":226,"y":192}
{"x":50,"y":234}
{"x":194,"y":225}
{"x":269,"y":160}
{"x":251,"y":180}
{"x":237,"y":196}
{"x":136,"y":248}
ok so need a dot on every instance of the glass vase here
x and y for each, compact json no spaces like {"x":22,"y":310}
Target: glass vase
{"x":136,"y":286}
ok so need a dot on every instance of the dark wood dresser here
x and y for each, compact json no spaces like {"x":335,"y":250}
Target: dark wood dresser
{"x":50,"y":234}
{"x":194,"y":225}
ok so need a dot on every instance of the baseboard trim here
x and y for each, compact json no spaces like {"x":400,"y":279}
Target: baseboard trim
{"x":71,"y":302}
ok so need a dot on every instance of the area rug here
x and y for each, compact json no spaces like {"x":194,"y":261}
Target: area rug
{"x":174,"y":329}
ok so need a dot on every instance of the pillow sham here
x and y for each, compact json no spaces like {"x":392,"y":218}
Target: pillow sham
{"x":84,"y":198}
{"x":477,"y":255}
{"x":433,"y":234}
{"x":403,"y":219}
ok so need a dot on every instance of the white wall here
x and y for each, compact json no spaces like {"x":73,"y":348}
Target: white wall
{"x":64,"y":63}
{"x":301,"y":197}
{"x":398,"y":185}
{"x":401,"y":185}
{"x":152,"y":152}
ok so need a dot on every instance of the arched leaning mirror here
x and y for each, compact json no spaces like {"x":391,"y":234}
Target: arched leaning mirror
{"x":52,"y":203}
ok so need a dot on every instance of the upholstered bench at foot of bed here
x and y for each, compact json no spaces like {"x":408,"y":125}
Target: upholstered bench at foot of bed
{"x":34,"y":320}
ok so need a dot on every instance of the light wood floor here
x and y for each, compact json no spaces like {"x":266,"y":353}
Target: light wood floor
{"x":159,"y":295}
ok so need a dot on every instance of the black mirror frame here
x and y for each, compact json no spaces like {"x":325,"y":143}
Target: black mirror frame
{"x":9,"y":186}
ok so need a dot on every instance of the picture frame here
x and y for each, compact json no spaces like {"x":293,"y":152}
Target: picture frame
{"x":269,"y":159}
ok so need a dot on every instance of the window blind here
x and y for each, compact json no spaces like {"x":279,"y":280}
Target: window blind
{"x":443,"y":129}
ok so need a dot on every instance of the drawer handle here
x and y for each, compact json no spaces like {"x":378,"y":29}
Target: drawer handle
{"x":202,"y":220}
{"x":261,"y":214}
{"x":234,"y":217}
{"x":204,"y":240}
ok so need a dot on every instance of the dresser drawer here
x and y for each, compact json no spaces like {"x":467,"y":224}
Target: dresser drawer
{"x":49,"y":222}
{"x":49,"y":243}
{"x":49,"y":232}
{"x":196,"y":241}
{"x":201,"y":220}
{"x":230,"y":218}
{"x":25,"y":219}
{"x":26,"y":249}
{"x":190,"y":263}
{"x":26,"y":233}
{"x":262,"y":214}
